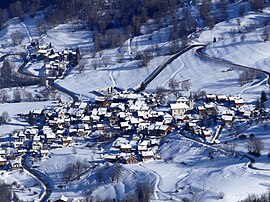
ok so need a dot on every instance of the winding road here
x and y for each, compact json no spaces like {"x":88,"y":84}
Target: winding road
{"x":45,"y":180}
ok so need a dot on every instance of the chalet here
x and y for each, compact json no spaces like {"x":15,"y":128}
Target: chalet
{"x":67,"y":141}
{"x":210,"y":109}
{"x":16,"y":164}
{"x":131,"y":159}
{"x":179,"y":109}
{"x":3,"y":161}
{"x":44,"y":153}
{"x":125,"y":148}
{"x":101,"y":101}
{"x":222,"y":98}
{"x":147,"y":155}
{"x":239,"y":102}
{"x":50,"y":137}
{"x":36,"y":146}
{"x":164,"y":130}
{"x":228,"y":119}
{"x":110,"y":158}
{"x":207,"y":132}
{"x":210,"y":97}
{"x":62,"y":199}
{"x":2,"y":153}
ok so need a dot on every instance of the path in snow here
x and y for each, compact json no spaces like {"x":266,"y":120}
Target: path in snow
{"x":27,"y":32}
{"x":173,"y":75}
{"x":253,"y":86}
{"x":157,"y":186}
{"x":112,"y":78}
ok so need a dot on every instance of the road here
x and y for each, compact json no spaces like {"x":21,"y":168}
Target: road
{"x":160,"y":68}
{"x":51,"y":82}
{"x":45,"y":180}
{"x":39,"y":175}
{"x":199,"y":52}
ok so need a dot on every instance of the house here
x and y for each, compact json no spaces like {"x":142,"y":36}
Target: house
{"x":181,"y":106}
{"x":222,"y":98}
{"x":2,"y":153}
{"x":239,"y":102}
{"x":126,"y":148}
{"x":228,"y":119}
{"x":62,"y":199}
{"x":3,"y":161}
{"x":16,"y":164}
{"x":147,"y":155}
{"x":131,"y":159}
{"x":210,"y":97}
{"x":210,"y":109}
{"x":44,"y":153}
{"x":67,"y":141}
{"x":179,"y":109}
{"x":110,"y":158}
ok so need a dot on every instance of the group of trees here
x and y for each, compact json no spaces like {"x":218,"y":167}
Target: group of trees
{"x":4,"y":118}
{"x":5,"y":190}
{"x":248,"y":76}
{"x":258,"y":198}
{"x":254,"y":145}
{"x":11,"y":78}
{"x":74,"y":170}
{"x":109,"y":173}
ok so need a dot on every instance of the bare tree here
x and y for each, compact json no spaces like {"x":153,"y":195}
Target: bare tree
{"x":5,"y":191}
{"x":185,"y":85}
{"x":16,"y":38}
{"x":265,"y":34}
{"x":160,"y":95}
{"x":241,"y":10}
{"x":254,"y":146}
{"x":174,"y":86}
{"x":81,"y":67}
{"x":4,"y":117}
{"x":17,"y":95}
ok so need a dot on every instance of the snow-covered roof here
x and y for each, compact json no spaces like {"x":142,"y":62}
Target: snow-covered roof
{"x":179,"y":106}
{"x":147,"y":153}
{"x":182,"y":99}
{"x":125,"y":146}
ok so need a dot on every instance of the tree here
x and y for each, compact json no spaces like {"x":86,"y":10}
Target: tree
{"x":6,"y":70}
{"x":263,"y":97}
{"x":241,"y":10}
{"x":144,"y":191}
{"x":185,"y":85}
{"x":17,"y":95}
{"x":77,"y":57}
{"x":254,"y":146}
{"x":256,"y":5}
{"x":4,"y":97}
{"x":160,"y":95}
{"x":174,"y":86}
{"x":31,"y":119}
{"x":4,"y":118}
{"x":81,"y":67}
{"x":16,"y":38}
{"x":265,"y":34}
{"x":243,"y":37}
{"x":5,"y":191}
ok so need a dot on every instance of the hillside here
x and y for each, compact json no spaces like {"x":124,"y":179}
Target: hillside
{"x":93,"y":129}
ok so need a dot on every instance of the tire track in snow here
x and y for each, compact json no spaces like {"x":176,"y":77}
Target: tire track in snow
{"x":112,"y":78}
{"x":173,"y":75}
{"x":27,"y":32}
{"x":253,"y":86}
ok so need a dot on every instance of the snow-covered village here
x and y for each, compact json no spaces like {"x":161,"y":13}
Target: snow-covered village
{"x":134,"y":101}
